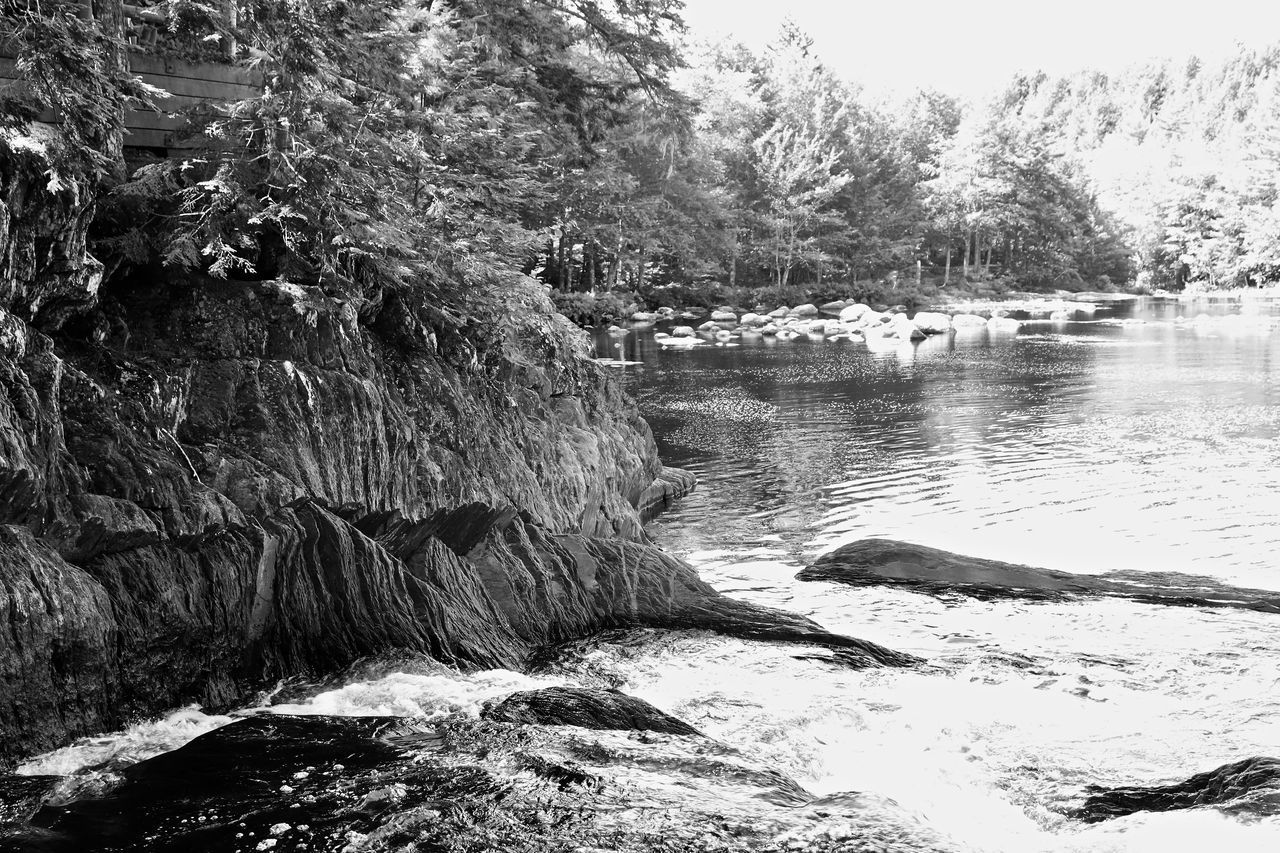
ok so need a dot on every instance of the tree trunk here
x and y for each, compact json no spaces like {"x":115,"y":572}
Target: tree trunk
{"x":617,"y":258}
{"x":562,"y":278}
{"x":733,"y":258}
{"x":589,"y":264}
{"x":968,"y":240}
{"x":946,"y":272}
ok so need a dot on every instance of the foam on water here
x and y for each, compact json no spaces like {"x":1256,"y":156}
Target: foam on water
{"x":93,"y":764}
{"x":412,"y":694}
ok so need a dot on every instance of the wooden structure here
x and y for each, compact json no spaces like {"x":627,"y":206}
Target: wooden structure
{"x":187,"y":82}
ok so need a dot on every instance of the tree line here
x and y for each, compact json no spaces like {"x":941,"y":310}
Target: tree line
{"x":473,"y":152}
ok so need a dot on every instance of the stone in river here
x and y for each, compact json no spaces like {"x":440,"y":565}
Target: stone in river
{"x":968,"y":321}
{"x":853,"y":313}
{"x":886,"y":562}
{"x":932,"y":323}
{"x":587,"y":708}
{"x":808,"y":309}
{"x":1003,"y":324}
{"x":682,"y":332}
{"x":1248,"y":787}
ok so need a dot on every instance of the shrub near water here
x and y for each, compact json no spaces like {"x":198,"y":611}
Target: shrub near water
{"x":589,"y":309}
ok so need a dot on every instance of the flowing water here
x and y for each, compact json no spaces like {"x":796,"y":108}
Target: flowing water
{"x":1135,"y":441}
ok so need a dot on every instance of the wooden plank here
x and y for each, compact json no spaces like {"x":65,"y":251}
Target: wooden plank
{"x":144,"y":120}
{"x":205,"y":90}
{"x":167,"y":66}
{"x":154,"y":138}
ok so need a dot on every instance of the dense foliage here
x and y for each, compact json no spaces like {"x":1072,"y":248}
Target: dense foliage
{"x":464,"y":154}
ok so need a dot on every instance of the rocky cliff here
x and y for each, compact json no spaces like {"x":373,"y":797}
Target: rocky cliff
{"x":208,"y":485}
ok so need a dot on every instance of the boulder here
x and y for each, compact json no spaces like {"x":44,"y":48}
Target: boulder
{"x":753,"y":319}
{"x":832,"y":307}
{"x":932,"y":323}
{"x":780,"y":312}
{"x":816,"y":327}
{"x":709,"y":326}
{"x":586,"y":708}
{"x":721,"y":316}
{"x":769,"y":329}
{"x":808,"y":309}
{"x":853,"y":313}
{"x":1004,"y":324}
{"x":901,"y":327}
{"x":645,"y":316}
{"x":682,"y":332}
{"x":968,"y":321}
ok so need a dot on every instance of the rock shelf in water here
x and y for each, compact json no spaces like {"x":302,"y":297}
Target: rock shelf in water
{"x":887,"y":562}
{"x":1249,"y":786}
{"x":585,"y":707}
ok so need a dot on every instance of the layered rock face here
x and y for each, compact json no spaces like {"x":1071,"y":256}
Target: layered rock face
{"x":207,"y":485}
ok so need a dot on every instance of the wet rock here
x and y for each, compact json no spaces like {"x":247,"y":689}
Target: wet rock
{"x":968,"y":321}
{"x":670,"y":485}
{"x":682,"y":332}
{"x":886,"y":562}
{"x":587,"y":708}
{"x":724,"y":316}
{"x":305,"y":782}
{"x":1251,"y":786}
{"x":57,"y":658}
{"x":22,"y":796}
{"x":808,"y":309}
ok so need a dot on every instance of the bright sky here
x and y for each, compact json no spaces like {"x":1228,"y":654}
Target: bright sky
{"x":969,"y":47}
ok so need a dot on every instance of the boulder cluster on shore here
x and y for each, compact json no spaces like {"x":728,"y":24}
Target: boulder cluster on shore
{"x":831,"y":321}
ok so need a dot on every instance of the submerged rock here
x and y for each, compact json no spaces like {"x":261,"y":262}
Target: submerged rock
{"x":886,"y":562}
{"x":1251,"y":786}
{"x":587,"y":708}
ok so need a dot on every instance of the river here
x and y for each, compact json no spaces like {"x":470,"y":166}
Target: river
{"x":1133,"y":441}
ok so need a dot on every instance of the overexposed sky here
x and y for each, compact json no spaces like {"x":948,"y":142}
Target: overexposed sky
{"x":969,"y":47}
